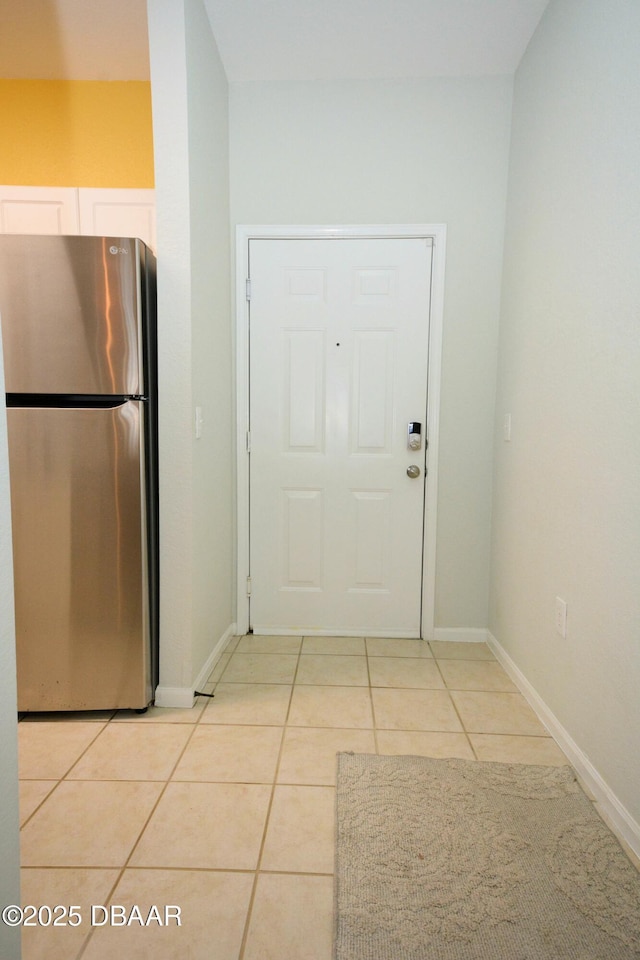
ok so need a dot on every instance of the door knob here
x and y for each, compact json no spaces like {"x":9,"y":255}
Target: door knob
{"x":413,"y":471}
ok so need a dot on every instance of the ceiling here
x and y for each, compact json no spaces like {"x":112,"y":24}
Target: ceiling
{"x":275,"y":39}
{"x":74,"y":39}
{"x":367,"y":39}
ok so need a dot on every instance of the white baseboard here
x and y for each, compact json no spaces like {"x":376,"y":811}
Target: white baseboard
{"x":613,"y":812}
{"x":461,"y":634}
{"x":453,"y":634}
{"x":214,"y":656}
{"x":320,"y":632}
{"x":183,"y":697}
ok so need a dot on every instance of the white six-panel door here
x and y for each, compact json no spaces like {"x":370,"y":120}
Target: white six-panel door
{"x":339,"y":334}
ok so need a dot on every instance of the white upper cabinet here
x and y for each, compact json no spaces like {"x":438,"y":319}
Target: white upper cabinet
{"x":101,"y":212}
{"x":118,"y":213}
{"x":39,"y":210}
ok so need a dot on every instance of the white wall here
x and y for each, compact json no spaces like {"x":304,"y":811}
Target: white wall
{"x":567,"y":486}
{"x":9,"y":822}
{"x":404,"y":152}
{"x":214,"y":531}
{"x":189,"y":96}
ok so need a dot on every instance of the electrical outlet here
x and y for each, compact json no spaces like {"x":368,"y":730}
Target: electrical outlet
{"x":561,"y":617}
{"x":506,"y":428}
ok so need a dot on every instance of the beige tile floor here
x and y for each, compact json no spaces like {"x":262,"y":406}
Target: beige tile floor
{"x":227,"y":810}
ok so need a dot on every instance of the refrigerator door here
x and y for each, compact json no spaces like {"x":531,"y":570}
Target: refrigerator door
{"x":71,"y":310}
{"x":79,"y":533}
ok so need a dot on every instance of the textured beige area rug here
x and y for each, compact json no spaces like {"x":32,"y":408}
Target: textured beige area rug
{"x":462,"y":860}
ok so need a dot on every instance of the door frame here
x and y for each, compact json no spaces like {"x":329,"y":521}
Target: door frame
{"x":245,"y":233}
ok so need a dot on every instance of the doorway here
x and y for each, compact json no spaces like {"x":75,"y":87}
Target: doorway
{"x":339,"y":333}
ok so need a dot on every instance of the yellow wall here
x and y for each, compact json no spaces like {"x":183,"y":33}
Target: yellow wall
{"x":76,"y":133}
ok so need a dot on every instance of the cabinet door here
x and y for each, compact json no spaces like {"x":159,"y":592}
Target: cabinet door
{"x":118,"y":213}
{"x":39,"y":210}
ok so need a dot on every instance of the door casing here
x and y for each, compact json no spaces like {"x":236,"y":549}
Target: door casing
{"x":245,"y":233}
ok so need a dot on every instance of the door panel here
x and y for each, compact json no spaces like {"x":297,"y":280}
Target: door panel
{"x":338,"y":367}
{"x":372,"y":401}
{"x":303,"y":534}
{"x":305,"y":390}
{"x":370,"y":526}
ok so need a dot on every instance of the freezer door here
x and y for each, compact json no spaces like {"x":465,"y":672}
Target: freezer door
{"x":71,"y":311}
{"x":80,"y":558}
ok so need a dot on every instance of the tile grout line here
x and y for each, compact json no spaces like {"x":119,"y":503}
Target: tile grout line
{"x":63,"y":778}
{"x":453,"y":704}
{"x":371,"y":703}
{"x":256,"y":872}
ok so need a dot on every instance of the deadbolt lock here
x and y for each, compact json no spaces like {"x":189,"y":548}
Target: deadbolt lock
{"x":414,"y":435}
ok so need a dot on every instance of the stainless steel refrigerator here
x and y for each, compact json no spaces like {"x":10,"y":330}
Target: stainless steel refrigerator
{"x":79,"y":335}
